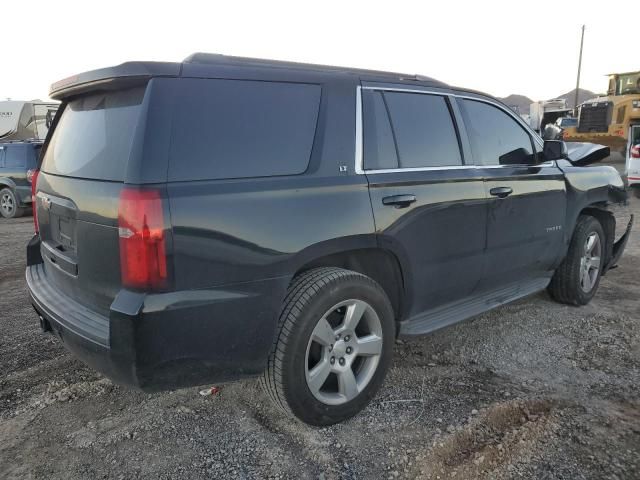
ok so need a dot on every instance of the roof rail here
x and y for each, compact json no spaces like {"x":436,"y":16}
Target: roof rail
{"x":25,"y":140}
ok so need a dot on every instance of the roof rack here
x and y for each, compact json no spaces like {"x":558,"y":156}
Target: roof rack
{"x":26,"y":140}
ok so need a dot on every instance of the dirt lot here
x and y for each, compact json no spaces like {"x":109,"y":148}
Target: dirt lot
{"x":531,"y":390}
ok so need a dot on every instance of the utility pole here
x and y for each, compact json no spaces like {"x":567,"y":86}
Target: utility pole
{"x":575,"y":105}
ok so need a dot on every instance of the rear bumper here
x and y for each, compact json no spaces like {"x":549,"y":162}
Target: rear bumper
{"x":171,"y":340}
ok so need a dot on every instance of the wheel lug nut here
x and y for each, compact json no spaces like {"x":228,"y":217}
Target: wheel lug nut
{"x":337,"y":337}
{"x":349,"y":350}
{"x":341,"y":361}
{"x":333,"y":360}
{"x":347,"y":338}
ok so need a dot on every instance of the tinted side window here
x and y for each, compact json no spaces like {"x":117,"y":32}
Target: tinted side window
{"x":32,"y":157}
{"x":379,"y":148}
{"x":496,"y":138}
{"x":15,"y":157}
{"x":424,"y":130}
{"x":238,"y":129}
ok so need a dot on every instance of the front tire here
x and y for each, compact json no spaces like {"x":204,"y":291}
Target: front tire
{"x":9,"y":207}
{"x":576,"y":280}
{"x":334,"y":346}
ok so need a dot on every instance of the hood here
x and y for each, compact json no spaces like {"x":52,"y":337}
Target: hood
{"x":581,"y":154}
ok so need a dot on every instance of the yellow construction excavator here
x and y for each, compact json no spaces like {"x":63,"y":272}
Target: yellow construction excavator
{"x":609,"y":120}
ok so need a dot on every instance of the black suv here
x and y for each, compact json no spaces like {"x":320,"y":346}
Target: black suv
{"x":224,"y":218}
{"x":18,"y":161}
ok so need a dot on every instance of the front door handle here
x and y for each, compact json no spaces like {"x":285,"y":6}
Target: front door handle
{"x":399,"y":201}
{"x":501,"y":192}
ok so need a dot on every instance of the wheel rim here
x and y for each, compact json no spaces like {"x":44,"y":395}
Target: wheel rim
{"x":343,"y":352}
{"x":590,"y":262}
{"x":7,"y":204}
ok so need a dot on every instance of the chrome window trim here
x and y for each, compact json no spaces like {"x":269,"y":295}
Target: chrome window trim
{"x":421,"y":169}
{"x":550,"y":163}
{"x":407,"y":90}
{"x":359,"y":139}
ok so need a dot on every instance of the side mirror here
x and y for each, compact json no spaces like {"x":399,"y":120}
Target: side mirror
{"x":555,"y":150}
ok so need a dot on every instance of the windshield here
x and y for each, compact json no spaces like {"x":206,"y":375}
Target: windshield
{"x":94,"y":135}
{"x":568,"y":122}
{"x":628,"y":84}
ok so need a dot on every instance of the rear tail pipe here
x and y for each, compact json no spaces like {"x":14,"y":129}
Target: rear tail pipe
{"x":45,"y":326}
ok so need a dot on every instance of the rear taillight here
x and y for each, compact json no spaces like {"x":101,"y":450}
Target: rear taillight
{"x":635,"y":151}
{"x":143,"y":258}
{"x":32,"y":177}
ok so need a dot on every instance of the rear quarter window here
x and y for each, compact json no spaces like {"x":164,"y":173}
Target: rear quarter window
{"x":238,"y":129}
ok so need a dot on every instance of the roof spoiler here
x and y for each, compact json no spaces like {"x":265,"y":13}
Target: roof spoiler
{"x":110,"y":77}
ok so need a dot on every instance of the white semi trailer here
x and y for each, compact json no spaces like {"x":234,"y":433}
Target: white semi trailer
{"x":20,"y":120}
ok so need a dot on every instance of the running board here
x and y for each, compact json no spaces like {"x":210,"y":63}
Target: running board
{"x":455,"y":312}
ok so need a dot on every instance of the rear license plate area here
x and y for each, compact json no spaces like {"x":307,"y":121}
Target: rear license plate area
{"x":64,"y":231}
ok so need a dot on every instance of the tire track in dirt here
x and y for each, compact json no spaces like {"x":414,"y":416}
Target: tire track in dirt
{"x":500,"y":434}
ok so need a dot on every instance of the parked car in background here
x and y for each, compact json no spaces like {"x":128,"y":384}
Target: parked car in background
{"x":632,"y":165}
{"x":633,"y":169}
{"x":224,"y":217}
{"x":18,"y":161}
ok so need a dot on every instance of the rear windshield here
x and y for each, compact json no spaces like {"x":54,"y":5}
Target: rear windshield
{"x":94,"y":135}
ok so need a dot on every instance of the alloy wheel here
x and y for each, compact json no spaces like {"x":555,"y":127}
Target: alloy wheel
{"x":590,"y":262}
{"x":7,"y":204}
{"x":343,"y":352}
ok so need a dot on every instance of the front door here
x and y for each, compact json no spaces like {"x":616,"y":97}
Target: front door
{"x":526,"y":198}
{"x":428,"y":204}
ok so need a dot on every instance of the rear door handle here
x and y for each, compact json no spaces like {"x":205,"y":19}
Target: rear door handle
{"x":399,"y":201}
{"x":501,"y":192}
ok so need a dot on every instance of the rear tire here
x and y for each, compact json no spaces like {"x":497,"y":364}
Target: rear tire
{"x":334,"y":346}
{"x":576,"y":280}
{"x":9,"y":207}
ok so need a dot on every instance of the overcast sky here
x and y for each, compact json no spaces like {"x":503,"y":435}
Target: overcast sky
{"x":498,"y":47}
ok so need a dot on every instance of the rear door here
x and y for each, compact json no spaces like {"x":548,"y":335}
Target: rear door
{"x":526,"y":198}
{"x":82,"y":173}
{"x":428,"y":200}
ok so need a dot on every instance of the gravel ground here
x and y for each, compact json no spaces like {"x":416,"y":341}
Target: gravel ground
{"x":531,"y":390}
